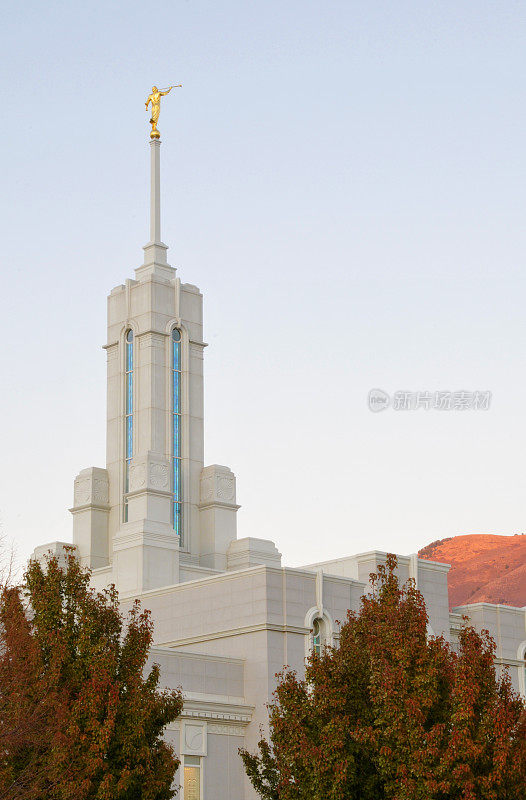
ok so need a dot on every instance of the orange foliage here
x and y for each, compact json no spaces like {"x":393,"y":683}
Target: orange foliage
{"x":391,"y":714}
{"x":80,"y":717}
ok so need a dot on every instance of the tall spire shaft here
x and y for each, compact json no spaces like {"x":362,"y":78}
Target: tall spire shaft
{"x":155,"y":262}
{"x":155,"y":191}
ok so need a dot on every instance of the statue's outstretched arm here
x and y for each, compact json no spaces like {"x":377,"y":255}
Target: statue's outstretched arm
{"x":165,"y":91}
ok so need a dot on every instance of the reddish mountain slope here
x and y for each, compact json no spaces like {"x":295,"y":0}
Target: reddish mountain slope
{"x":484,"y":568}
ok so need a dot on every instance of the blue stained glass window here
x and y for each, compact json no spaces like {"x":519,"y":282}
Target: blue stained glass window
{"x":176,"y":386}
{"x":129,"y":393}
{"x":177,"y":351}
{"x":129,"y":436}
{"x":128,"y":419}
{"x":176,"y":434}
{"x":177,"y":519}
{"x":177,"y":477}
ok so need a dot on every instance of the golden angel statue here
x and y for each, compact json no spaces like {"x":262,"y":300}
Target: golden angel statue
{"x":155,"y":99}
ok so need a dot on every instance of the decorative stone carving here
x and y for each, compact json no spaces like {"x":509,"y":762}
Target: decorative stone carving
{"x":223,"y":715}
{"x":193,"y":739}
{"x":225,"y":487}
{"x":159,"y":476}
{"x":137,"y":476}
{"x":82,"y":491}
{"x":218,"y":485}
{"x":91,"y":487}
{"x":207,"y":488}
{"x":100,"y":490}
{"x":194,"y":711}
{"x":226,"y":730}
{"x":150,"y":472}
{"x":217,"y":511}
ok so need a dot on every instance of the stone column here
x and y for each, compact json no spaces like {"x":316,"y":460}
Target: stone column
{"x":146,"y":551}
{"x":90,"y":517}
{"x":217,"y":512}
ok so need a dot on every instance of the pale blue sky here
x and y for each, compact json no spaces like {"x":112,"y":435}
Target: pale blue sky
{"x":345,"y":182}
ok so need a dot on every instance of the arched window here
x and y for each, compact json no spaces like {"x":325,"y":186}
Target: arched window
{"x":128,"y":419}
{"x":317,"y":636}
{"x":177,"y":499}
{"x":320,"y":629}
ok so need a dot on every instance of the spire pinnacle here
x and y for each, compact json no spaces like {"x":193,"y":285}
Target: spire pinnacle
{"x":155,"y":191}
{"x":155,"y":262}
{"x":155,"y":99}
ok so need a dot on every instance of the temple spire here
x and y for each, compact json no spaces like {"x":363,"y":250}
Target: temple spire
{"x":155,"y":262}
{"x":155,"y":191}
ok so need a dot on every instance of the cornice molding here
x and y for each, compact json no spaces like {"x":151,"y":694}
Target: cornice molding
{"x":152,"y":538}
{"x":225,"y":712}
{"x":149,"y":490}
{"x":489,"y":607}
{"x":164,"y":650}
{"x":243,"y":573}
{"x":508,"y":662}
{"x":90,"y":507}
{"x":220,"y":504}
{"x":247,"y":629}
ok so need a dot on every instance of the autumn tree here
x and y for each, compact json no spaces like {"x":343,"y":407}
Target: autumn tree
{"x":392,"y":713}
{"x":72,"y":665}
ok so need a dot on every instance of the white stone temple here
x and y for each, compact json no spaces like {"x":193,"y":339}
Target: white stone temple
{"x":161,"y":526}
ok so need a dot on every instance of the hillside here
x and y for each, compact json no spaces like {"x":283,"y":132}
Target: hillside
{"x":484,"y":568}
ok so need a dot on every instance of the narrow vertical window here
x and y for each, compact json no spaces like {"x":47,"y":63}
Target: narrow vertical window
{"x":176,"y":434}
{"x":192,"y":778}
{"x":316,"y":636}
{"x":128,"y":419}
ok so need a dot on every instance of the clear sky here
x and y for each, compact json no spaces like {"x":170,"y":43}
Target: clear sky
{"x":345,"y":182}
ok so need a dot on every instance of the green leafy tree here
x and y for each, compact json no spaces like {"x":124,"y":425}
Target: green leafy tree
{"x":76,"y":671}
{"x":394,"y":714}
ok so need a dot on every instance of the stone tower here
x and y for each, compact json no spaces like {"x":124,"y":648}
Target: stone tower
{"x":155,"y":510}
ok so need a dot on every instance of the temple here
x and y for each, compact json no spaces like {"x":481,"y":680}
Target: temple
{"x":161,"y":525}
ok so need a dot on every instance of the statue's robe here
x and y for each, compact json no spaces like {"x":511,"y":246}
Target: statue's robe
{"x":156,"y":110}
